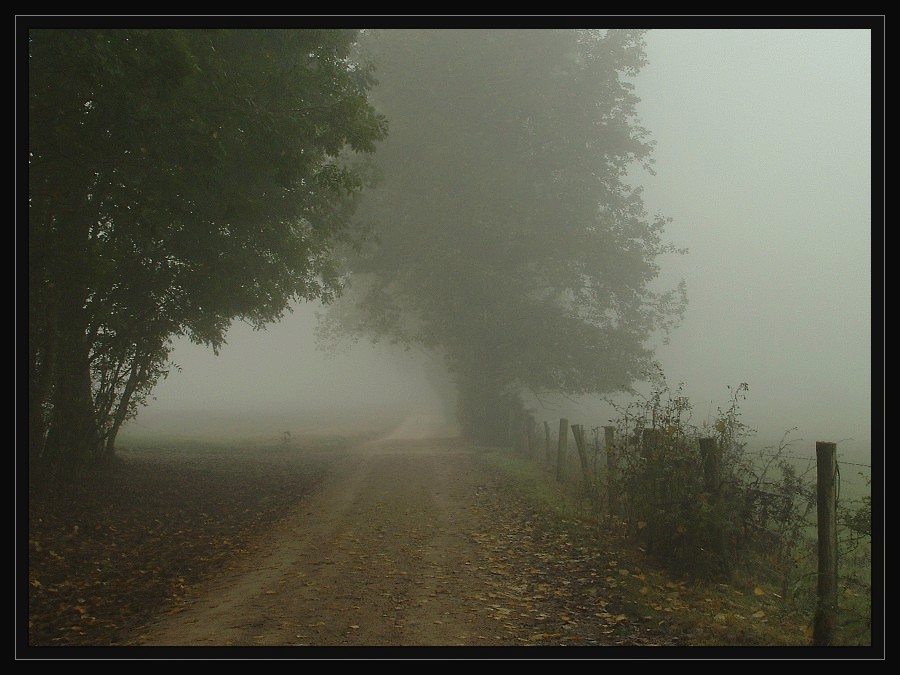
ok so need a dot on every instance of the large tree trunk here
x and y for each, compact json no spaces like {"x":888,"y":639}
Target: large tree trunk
{"x":73,"y":438}
{"x":63,"y":258}
{"x":40,"y":370}
{"x":41,"y":347}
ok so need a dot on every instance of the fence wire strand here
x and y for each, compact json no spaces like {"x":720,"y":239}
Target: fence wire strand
{"x":840,"y":461}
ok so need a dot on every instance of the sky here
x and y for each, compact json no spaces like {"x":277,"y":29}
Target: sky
{"x":763,"y":162}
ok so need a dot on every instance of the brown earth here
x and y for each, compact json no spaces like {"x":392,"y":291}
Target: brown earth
{"x":382,"y":543}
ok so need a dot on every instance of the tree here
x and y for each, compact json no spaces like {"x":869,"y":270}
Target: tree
{"x":178,"y":180}
{"x":509,"y":239}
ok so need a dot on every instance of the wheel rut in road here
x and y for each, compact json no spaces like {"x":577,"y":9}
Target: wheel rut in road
{"x":385,"y":553}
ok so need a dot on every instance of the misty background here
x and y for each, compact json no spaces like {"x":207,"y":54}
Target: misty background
{"x":763,"y":162}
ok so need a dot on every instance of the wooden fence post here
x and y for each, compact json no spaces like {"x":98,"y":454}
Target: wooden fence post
{"x":649,"y":441}
{"x":655,"y":483}
{"x":529,"y":435}
{"x":612,"y":470}
{"x":562,"y":447}
{"x":825,"y":624}
{"x":548,"y":452}
{"x":578,"y":434}
{"x":709,"y":455}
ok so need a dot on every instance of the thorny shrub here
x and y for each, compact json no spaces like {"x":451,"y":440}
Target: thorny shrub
{"x":706,"y":507}
{"x":855,"y":563}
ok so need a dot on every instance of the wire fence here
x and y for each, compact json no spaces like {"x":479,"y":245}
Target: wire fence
{"x":796,"y":543}
{"x":813,"y":459}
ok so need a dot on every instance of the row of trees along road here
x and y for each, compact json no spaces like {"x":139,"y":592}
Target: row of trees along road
{"x":510,"y":243}
{"x":182,"y":179}
{"x":178,"y":180}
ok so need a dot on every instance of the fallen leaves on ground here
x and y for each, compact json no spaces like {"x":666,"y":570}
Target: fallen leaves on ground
{"x":580,"y":585}
{"x":137,"y":541}
{"x":132,"y":541}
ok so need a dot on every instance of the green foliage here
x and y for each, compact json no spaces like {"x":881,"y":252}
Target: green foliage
{"x":708,"y":507}
{"x":717,"y":510}
{"x":855,"y":565}
{"x":178,"y":180}
{"x":856,"y":514}
{"x":509,"y":241}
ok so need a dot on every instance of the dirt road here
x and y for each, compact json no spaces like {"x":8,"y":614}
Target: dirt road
{"x":390,"y":551}
{"x":403,"y":543}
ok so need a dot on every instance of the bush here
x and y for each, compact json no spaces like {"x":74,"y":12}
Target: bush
{"x":696,"y":497}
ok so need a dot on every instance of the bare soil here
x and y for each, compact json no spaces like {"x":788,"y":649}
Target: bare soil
{"x":386,"y":552}
{"x":384,"y":543}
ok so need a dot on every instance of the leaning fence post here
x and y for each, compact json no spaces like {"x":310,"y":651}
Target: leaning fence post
{"x":562,"y":447}
{"x":825,"y":624}
{"x":578,"y":434}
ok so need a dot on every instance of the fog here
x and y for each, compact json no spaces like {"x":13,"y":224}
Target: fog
{"x":763,"y":161}
{"x":275,"y":380}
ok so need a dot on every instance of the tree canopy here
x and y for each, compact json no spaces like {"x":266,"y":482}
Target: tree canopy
{"x":177,"y":180}
{"x":509,"y":238}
